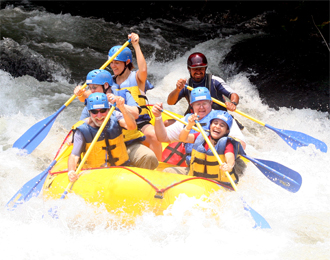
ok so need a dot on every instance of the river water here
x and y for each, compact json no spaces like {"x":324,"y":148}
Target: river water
{"x":69,"y":47}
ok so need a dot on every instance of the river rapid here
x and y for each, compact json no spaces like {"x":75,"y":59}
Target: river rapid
{"x":65,"y":48}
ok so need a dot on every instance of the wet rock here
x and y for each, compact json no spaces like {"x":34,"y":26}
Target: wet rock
{"x":19,"y":60}
{"x":287,"y":71}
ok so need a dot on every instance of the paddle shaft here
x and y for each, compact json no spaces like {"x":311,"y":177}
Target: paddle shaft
{"x":37,"y":133}
{"x":215,"y":153}
{"x":33,"y":187}
{"x":290,"y":181}
{"x":237,"y":111}
{"x":178,"y":119}
{"x":96,"y":138}
{"x":102,"y":67}
{"x":293,"y":138}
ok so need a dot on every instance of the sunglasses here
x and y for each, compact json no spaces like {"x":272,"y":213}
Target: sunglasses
{"x":93,"y":87}
{"x":95,"y":111}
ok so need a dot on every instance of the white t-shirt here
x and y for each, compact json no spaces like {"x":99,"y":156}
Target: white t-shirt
{"x":174,"y":130}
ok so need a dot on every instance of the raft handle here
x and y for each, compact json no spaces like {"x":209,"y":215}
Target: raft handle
{"x":159,"y":195}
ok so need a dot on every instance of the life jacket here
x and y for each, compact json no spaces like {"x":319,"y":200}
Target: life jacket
{"x":132,"y":86}
{"x":109,"y":150}
{"x":210,"y":86}
{"x":205,"y":164}
{"x":205,"y":123}
{"x":130,"y":136}
{"x":175,"y":154}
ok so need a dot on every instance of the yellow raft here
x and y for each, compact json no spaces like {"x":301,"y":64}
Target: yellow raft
{"x":125,"y":191}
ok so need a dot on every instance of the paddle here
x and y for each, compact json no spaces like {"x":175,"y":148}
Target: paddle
{"x":37,"y":133}
{"x":33,"y":187}
{"x":259,"y":220}
{"x":215,"y":153}
{"x":53,"y":212}
{"x":277,"y":173}
{"x":293,"y":138}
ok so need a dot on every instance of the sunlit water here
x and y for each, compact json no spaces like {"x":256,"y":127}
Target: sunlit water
{"x":300,"y":221}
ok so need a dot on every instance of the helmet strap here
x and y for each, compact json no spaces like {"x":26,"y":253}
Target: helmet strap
{"x":123,"y":70}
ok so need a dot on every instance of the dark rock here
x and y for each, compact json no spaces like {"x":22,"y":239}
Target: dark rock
{"x":287,"y":72}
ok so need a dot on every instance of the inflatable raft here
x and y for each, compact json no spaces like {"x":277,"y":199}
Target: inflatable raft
{"x":125,"y":191}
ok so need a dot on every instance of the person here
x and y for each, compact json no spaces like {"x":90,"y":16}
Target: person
{"x":203,"y":162}
{"x":136,"y":82}
{"x":100,"y":81}
{"x":110,"y":149}
{"x":197,"y":65}
{"x":201,"y":104}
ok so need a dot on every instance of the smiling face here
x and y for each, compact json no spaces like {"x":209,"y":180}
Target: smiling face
{"x":197,"y":73}
{"x":218,"y":129}
{"x":118,"y":66}
{"x":202,"y":108}
{"x":98,"y":115}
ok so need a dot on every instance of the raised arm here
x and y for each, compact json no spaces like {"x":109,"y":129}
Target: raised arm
{"x":174,"y":95}
{"x":185,"y":135}
{"x":142,"y":72}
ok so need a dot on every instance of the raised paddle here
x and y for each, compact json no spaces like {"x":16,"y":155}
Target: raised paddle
{"x":279,"y":174}
{"x":53,"y":212}
{"x":258,"y":219}
{"x":293,"y":138}
{"x":37,"y":133}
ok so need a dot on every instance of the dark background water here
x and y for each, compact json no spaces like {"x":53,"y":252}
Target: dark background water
{"x":290,"y":63}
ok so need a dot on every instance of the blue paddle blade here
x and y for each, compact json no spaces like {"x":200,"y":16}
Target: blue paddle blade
{"x":278,"y":173}
{"x":29,"y":190}
{"x":297,"y":139}
{"x":36,"y":134}
{"x":258,"y":219}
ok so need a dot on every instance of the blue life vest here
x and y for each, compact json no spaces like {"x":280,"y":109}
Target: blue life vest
{"x":205,"y":123}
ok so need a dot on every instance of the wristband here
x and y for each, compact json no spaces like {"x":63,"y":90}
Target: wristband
{"x":233,"y":103}
{"x":158,"y":118}
{"x":186,"y":129}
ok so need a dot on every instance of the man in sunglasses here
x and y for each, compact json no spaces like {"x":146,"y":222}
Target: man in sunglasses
{"x":110,"y":149}
{"x":100,"y":81}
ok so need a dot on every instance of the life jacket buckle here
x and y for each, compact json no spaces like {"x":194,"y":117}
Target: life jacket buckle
{"x":159,"y":195}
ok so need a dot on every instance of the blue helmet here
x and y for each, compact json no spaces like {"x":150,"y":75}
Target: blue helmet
{"x":99,"y":77}
{"x":223,"y":115}
{"x":123,"y":56}
{"x":200,"y":93}
{"x":97,"y":101}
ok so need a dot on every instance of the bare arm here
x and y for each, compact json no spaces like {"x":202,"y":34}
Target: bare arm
{"x":230,"y":162}
{"x":160,"y":128}
{"x":174,"y":95}
{"x":142,"y":73}
{"x":133,"y":110}
{"x":129,"y":121}
{"x":82,"y":94}
{"x":73,"y":162}
{"x":185,"y":135}
{"x":72,"y":165}
{"x":233,"y":98}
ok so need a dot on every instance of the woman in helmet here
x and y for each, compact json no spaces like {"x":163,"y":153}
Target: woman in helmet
{"x":203,"y":163}
{"x":197,"y":65}
{"x":136,"y":82}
